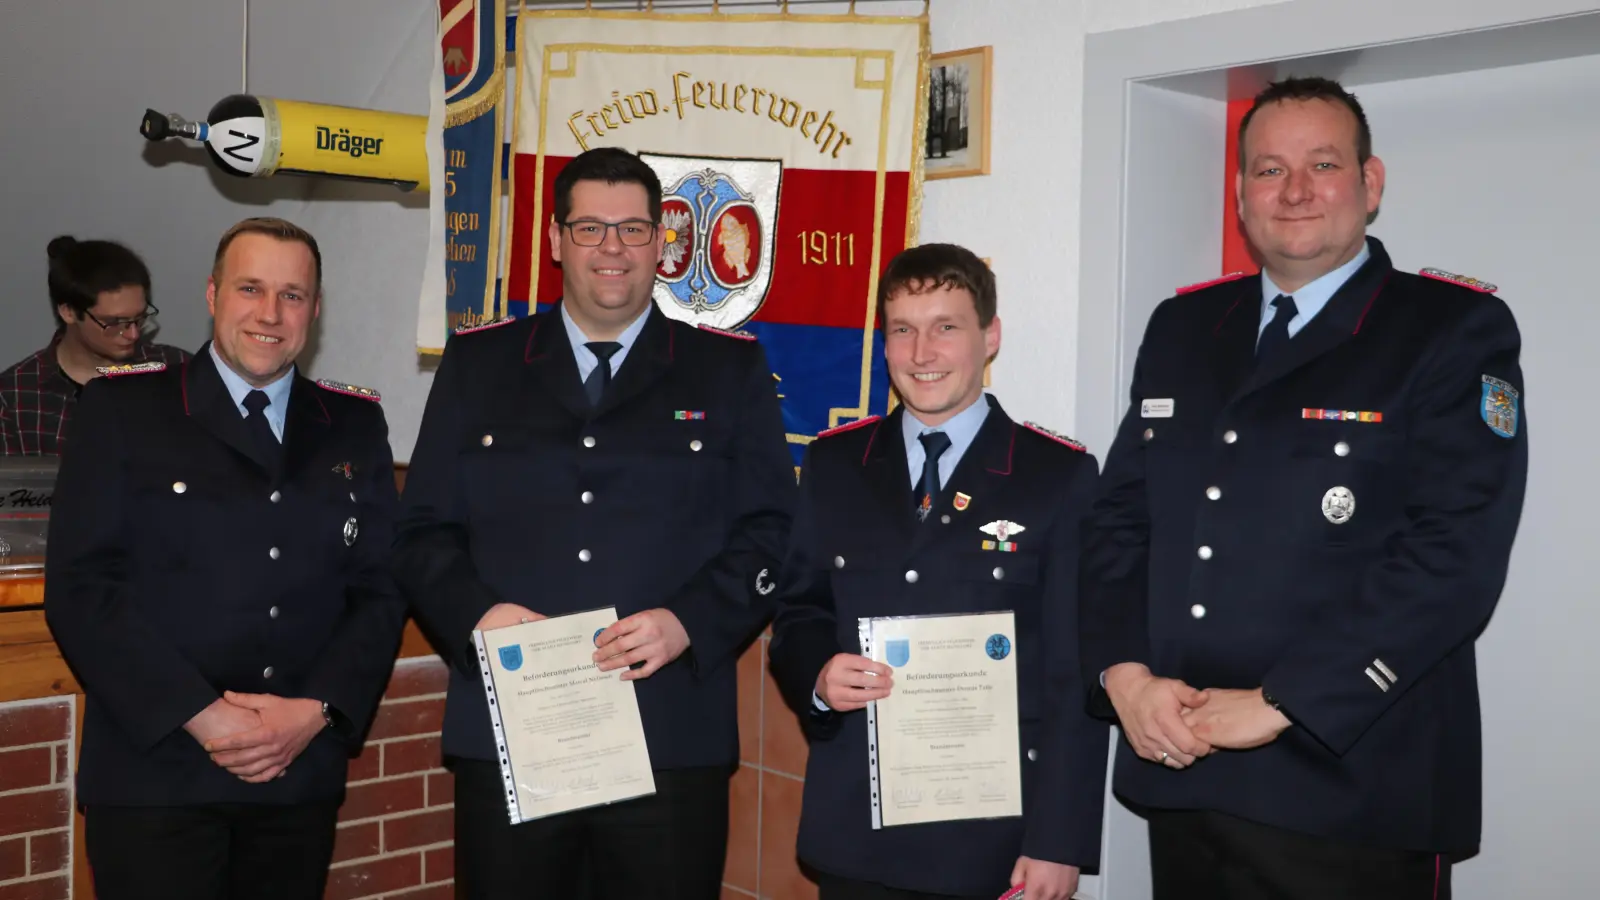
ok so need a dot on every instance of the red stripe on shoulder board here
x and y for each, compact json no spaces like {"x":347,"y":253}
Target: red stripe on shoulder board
{"x":848,"y":426}
{"x":1466,"y":281}
{"x":741,"y":335}
{"x":1058,"y":438}
{"x":1231,"y":276}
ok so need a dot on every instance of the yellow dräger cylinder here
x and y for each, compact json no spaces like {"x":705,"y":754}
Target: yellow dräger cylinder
{"x":256,"y":137}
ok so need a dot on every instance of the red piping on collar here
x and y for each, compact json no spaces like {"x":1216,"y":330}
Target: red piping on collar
{"x":1368,"y":308}
{"x":870,"y":438}
{"x":183,"y":379}
{"x":326,"y":419}
{"x":527,"y":351}
{"x":1218,"y":329}
{"x":1009,"y":452}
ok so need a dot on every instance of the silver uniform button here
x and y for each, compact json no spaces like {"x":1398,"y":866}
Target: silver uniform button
{"x":1230,"y":436}
{"x":585,"y":555}
{"x":273,"y":553}
{"x":695,"y":446}
{"x":911,"y":576}
{"x":1198,"y":611}
{"x":944,"y":520}
{"x":352,"y":496}
{"x":1341,"y":449}
{"x":587,"y":497}
{"x":272,"y":613}
{"x":588,"y":441}
{"x":1033,"y":755}
{"x":1149,"y":433}
{"x":276,"y":496}
{"x":999,"y":573}
{"x":1214,"y":493}
{"x":1204,"y":552}
{"x":267,"y":672}
{"x":838,"y":562}
{"x":487,"y":440}
{"x":179,"y":487}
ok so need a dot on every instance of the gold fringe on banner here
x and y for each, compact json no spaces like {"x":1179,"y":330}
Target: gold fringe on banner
{"x":464,"y":111}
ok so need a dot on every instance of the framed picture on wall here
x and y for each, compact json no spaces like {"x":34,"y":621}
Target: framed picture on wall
{"x":957,"y":139}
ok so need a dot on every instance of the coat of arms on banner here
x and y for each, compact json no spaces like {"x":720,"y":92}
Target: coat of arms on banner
{"x":720,"y":216}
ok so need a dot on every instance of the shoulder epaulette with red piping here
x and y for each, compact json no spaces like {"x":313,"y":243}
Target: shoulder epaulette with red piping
{"x":469,"y":329}
{"x":848,"y":426}
{"x":132,"y":368}
{"x":1466,"y":281}
{"x":351,"y":390}
{"x":741,"y":335}
{"x":1036,"y":428}
{"x":1231,"y":276}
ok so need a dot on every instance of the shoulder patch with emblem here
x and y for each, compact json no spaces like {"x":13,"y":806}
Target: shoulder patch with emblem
{"x":741,"y":335}
{"x":132,"y":368}
{"x":848,"y":426}
{"x":485,"y":326}
{"x":1500,"y":407}
{"x":1466,"y":281}
{"x":1055,"y":436}
{"x":352,"y":390}
{"x":1231,"y":276}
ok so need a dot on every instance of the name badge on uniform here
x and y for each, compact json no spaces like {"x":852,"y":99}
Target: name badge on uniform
{"x":1156,"y":409}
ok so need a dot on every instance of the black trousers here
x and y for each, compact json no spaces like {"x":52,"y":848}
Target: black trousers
{"x":832,"y":887}
{"x":222,"y":851}
{"x":1202,"y":855}
{"x":668,"y":846}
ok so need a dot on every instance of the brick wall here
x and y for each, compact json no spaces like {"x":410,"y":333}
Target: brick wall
{"x":764,"y":803}
{"x":395,"y":828}
{"x":36,"y":799}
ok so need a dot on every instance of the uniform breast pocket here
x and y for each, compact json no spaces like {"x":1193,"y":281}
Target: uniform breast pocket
{"x":996,"y":569}
{"x":1346,"y":485}
{"x":507,"y":466}
{"x":181,"y":517}
{"x":698,"y":462}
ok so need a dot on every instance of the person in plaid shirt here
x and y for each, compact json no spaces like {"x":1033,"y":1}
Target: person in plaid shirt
{"x":100,"y":297}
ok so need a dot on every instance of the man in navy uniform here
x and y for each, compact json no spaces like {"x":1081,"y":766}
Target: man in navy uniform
{"x":1304,"y":523}
{"x":914,"y":514}
{"x":218,"y":580}
{"x":601,"y":454}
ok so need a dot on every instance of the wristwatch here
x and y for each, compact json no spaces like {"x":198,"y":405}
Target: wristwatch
{"x":327,"y":714}
{"x":1272,"y":702}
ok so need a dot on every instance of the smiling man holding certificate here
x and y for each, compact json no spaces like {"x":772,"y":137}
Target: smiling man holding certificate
{"x":926,"y":631}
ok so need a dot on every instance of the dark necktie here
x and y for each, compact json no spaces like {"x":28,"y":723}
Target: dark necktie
{"x":934,"y":443}
{"x":1276,"y":336}
{"x":256,"y":403}
{"x":597,"y":382}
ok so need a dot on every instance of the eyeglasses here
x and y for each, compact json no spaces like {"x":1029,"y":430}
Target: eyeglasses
{"x":592,"y":232}
{"x":119,"y":327}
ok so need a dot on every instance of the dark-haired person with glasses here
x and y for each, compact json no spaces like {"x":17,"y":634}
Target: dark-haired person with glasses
{"x":100,"y":297}
{"x":601,"y":454}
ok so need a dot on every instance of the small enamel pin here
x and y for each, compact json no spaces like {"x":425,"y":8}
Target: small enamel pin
{"x":1001,"y":530}
{"x":346,"y":469}
{"x":961,"y":502}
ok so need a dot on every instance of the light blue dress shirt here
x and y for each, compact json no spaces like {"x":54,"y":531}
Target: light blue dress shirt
{"x":238,"y":389}
{"x":962,"y":428}
{"x":586,"y":358}
{"x":1309,"y":300}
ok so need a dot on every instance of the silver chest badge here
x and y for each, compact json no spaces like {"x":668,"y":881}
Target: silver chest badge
{"x":350,"y":529}
{"x":1338,"y":505}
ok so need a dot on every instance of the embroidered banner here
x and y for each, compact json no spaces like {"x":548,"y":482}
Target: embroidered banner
{"x":788,"y":151}
{"x":472,"y":45}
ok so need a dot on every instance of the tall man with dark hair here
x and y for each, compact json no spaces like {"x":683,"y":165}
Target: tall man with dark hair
{"x":100,"y":299}
{"x":895,"y":519}
{"x":601,"y":454}
{"x":1303,"y":524}
{"x":218,"y":579}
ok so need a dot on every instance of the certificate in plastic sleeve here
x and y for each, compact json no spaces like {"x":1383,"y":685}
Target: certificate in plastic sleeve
{"x":944,"y":745}
{"x":568,"y":736}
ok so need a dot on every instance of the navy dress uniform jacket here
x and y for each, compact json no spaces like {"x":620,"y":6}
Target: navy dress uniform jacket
{"x":519,"y":493}
{"x":181,"y":564}
{"x":1224,"y":549}
{"x":856,"y":540}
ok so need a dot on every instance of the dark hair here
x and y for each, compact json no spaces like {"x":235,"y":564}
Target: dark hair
{"x":613,"y":165}
{"x":80,"y":271}
{"x":1312,"y":88}
{"x":931,"y":266}
{"x":282,"y":229}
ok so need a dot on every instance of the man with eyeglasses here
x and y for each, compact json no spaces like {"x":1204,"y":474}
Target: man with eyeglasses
{"x":100,"y":297}
{"x":601,"y":454}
